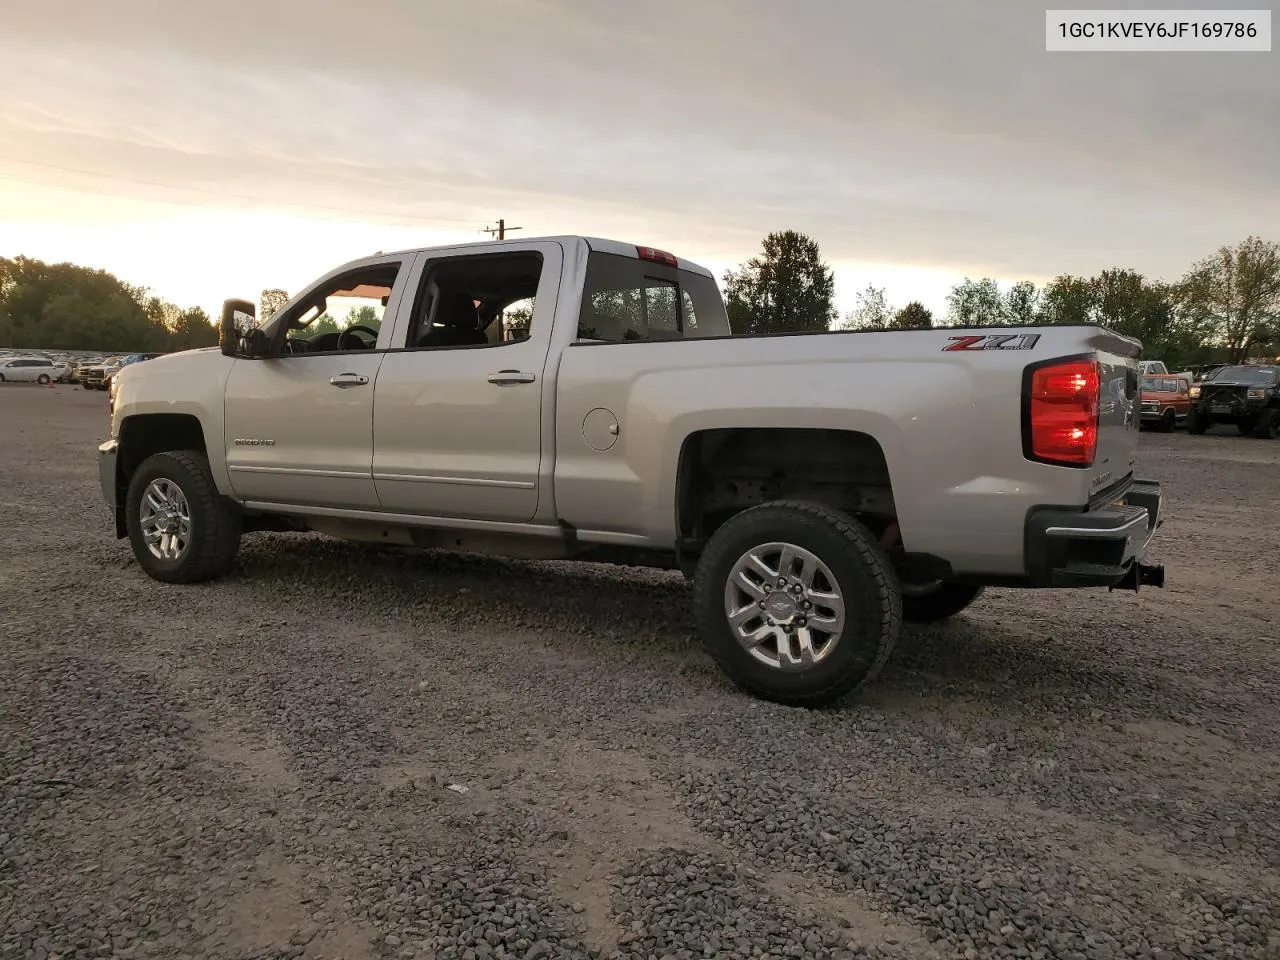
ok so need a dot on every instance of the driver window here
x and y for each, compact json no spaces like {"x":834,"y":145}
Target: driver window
{"x":344,"y":315}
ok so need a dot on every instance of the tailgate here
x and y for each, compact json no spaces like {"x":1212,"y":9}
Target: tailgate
{"x":1119,"y":415}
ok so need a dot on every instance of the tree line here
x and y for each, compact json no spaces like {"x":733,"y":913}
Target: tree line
{"x":61,"y":306}
{"x":1226,"y":306}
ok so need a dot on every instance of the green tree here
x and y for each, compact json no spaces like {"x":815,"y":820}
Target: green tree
{"x":62,"y":305}
{"x":786,"y":289}
{"x":363,"y":315}
{"x":1068,"y":300}
{"x":517,"y":320}
{"x":191,"y":330}
{"x":914,"y":316}
{"x":976,"y":303}
{"x":1122,"y":301}
{"x":1022,"y":303}
{"x":270,"y":302}
{"x":321,"y":324}
{"x":1236,"y":294}
{"x":872,"y":311}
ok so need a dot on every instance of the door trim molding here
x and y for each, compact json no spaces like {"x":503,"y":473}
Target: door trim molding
{"x":463,"y":481}
{"x":299,"y":472}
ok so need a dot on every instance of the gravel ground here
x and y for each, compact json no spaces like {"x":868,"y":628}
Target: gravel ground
{"x":265,"y":767}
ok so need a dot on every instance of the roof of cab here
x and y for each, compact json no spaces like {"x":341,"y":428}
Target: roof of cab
{"x":600,"y":244}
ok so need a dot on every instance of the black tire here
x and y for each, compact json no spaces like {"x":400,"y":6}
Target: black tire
{"x":1267,"y":426}
{"x":1168,"y":420}
{"x":946,"y":601}
{"x":86,"y":386}
{"x":862,"y":572}
{"x":43,"y":379}
{"x":1196,"y":422}
{"x":215,"y":522}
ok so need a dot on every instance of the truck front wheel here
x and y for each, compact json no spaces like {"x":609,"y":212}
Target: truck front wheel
{"x":797,"y":603}
{"x":938,"y":601}
{"x":1197,"y":422}
{"x":181,"y":529}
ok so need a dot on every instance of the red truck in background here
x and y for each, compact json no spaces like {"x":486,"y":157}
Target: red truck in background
{"x":1166,"y":401}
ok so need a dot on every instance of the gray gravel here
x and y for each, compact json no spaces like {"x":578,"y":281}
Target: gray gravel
{"x":347,"y":752}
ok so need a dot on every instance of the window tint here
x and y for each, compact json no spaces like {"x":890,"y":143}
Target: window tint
{"x":630,"y":299}
{"x":482,"y":300}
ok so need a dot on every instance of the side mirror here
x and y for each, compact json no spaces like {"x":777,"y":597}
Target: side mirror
{"x":237,"y":329}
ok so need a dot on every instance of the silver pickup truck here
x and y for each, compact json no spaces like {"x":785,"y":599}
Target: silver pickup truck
{"x":575,"y":398}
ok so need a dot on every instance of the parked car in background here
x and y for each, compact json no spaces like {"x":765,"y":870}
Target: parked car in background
{"x":80,"y":366}
{"x":96,"y":377}
{"x":1149,"y":367}
{"x":1247,"y":395}
{"x":28,"y":370}
{"x":1166,"y":401}
{"x":129,"y":361}
{"x":1203,"y":370}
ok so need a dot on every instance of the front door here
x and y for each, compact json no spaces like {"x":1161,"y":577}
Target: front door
{"x":457,"y":421}
{"x":299,"y":430}
{"x":298,"y":425}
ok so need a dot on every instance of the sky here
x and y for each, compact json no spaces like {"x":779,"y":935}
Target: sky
{"x":211,"y":150}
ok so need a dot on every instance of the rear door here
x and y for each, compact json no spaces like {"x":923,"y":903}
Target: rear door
{"x":459,"y":406}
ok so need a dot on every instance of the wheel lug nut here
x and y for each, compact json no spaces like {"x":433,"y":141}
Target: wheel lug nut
{"x":806,"y":605}
{"x":782,"y":583}
{"x":768,"y":588}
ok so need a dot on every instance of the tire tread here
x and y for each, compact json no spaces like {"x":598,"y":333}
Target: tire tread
{"x":880,"y":568}
{"x":215,"y":552}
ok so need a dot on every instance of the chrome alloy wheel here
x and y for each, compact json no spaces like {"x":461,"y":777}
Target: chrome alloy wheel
{"x":165,"y":519}
{"x":784,"y":606}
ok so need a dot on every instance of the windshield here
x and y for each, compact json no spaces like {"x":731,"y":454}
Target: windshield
{"x":1258,"y":375}
{"x":1160,"y":384}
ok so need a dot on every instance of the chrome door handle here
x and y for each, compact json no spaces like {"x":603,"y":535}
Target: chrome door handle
{"x":349,"y":380}
{"x":511,"y":376}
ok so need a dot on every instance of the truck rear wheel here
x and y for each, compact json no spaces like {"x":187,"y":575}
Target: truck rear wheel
{"x":1197,"y":422}
{"x":934,"y":602}
{"x":797,"y":603}
{"x":181,"y":529}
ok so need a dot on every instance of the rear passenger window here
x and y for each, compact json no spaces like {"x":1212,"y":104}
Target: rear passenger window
{"x":628,"y":299}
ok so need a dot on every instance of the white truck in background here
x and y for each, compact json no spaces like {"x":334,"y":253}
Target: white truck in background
{"x":577,"y":398}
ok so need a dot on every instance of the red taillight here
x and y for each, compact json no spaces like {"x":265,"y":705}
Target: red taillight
{"x":1062,"y":422}
{"x":657,"y":256}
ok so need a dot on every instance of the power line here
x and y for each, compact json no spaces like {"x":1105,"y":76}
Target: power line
{"x":500,"y":231}
{"x":201,"y":190}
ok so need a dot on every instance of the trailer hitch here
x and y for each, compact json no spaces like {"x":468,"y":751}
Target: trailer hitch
{"x":1141,"y":575}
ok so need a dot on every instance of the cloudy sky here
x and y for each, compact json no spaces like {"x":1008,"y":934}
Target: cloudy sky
{"x":209,"y":150}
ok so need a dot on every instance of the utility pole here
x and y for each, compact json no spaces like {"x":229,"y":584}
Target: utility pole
{"x":500,"y":231}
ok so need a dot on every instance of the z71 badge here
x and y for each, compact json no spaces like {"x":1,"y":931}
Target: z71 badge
{"x":1004,"y":341}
